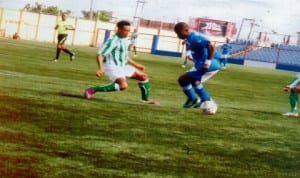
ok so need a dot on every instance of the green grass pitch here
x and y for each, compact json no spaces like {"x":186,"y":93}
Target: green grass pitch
{"x":47,"y":129}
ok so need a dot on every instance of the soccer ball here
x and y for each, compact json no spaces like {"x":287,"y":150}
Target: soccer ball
{"x":209,"y":107}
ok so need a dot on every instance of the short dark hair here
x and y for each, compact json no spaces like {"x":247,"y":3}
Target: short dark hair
{"x":123,"y":23}
{"x":179,"y":26}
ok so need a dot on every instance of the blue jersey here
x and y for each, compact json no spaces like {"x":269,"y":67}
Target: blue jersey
{"x":226,"y":48}
{"x":198,"y":45}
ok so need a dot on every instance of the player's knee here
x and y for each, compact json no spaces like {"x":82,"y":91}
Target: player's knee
{"x":60,"y":46}
{"x":122,"y":84}
{"x":143,"y":77}
{"x":196,"y":83}
{"x":123,"y":87}
{"x":182,"y":80}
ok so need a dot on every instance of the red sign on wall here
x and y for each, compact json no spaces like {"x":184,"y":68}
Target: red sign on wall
{"x":213,"y":27}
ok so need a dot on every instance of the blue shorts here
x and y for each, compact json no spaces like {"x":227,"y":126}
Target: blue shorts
{"x":197,"y":74}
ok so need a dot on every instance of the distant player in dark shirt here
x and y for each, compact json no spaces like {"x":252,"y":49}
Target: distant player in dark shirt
{"x":62,"y":28}
{"x":294,"y":88}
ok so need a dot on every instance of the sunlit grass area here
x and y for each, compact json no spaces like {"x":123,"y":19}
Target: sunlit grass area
{"x":47,"y":128}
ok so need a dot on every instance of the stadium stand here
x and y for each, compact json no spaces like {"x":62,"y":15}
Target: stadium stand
{"x":277,"y":53}
{"x":262,"y":54}
{"x":289,"y":55}
{"x":237,"y":46}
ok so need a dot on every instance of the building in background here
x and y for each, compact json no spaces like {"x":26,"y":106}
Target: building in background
{"x":213,"y":27}
{"x":156,"y":24}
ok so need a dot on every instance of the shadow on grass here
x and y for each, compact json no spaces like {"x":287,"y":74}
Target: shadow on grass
{"x":103,"y":100}
{"x":72,"y":95}
{"x":253,"y":111}
{"x":13,"y":108}
{"x":17,"y":166}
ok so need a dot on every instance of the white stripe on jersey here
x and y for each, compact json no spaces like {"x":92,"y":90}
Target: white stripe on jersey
{"x":115,"y":51}
{"x":295,"y":82}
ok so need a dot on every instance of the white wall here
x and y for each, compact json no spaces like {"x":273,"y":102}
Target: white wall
{"x":40,"y":27}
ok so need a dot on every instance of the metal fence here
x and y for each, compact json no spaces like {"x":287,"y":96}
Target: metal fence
{"x":265,"y":53}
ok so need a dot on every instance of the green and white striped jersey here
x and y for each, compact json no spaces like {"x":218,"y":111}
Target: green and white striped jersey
{"x":295,"y":81}
{"x":115,"y":51}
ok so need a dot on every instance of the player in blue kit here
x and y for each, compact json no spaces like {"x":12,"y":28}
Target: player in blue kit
{"x":225,"y":52}
{"x":205,"y":66}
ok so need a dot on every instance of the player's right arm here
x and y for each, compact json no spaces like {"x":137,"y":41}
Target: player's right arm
{"x":100,"y":70}
{"x":188,"y":55}
{"x":107,"y":48}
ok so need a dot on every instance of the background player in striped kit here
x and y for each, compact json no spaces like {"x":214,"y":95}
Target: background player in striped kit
{"x":114,"y":62}
{"x":133,"y":41}
{"x":294,"y":89}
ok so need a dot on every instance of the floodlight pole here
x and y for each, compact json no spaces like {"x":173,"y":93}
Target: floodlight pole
{"x":242,"y":24}
{"x":251,"y":28}
{"x":298,"y":40}
{"x":136,"y":18}
{"x":91,"y":10}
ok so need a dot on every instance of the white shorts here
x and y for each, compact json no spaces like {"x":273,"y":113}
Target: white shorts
{"x":224,"y":56}
{"x":208,"y":75}
{"x":133,"y":42}
{"x":114,"y":72}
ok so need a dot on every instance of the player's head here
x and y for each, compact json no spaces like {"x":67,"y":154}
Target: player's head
{"x":63,"y":16}
{"x":123,"y":28}
{"x":182,"y":30}
{"x":227,"y":40}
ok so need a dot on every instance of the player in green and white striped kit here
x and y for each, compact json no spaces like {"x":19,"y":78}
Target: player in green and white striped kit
{"x":294,"y":89}
{"x":113,"y":61}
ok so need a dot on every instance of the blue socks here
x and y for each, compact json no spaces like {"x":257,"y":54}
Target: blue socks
{"x":199,"y":89}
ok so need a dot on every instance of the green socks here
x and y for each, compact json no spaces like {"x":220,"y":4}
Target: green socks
{"x":106,"y":88}
{"x":294,"y":102}
{"x":143,"y":85}
{"x":145,"y":89}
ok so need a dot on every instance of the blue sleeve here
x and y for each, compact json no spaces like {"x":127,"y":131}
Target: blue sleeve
{"x":199,"y":40}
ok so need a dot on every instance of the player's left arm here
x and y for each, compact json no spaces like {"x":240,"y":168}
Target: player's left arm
{"x":135,"y":64}
{"x":295,"y":82}
{"x":211,"y":52}
{"x":70,"y":27}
